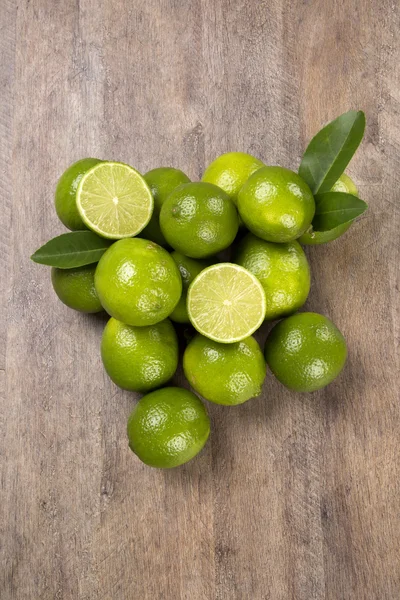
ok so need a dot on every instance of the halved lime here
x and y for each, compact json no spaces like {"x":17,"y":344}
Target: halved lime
{"x":114,"y":200}
{"x":226,"y":303}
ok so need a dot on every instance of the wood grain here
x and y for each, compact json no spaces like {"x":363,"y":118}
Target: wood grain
{"x":295,"y":497}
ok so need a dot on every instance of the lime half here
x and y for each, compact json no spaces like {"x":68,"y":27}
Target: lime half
{"x":226,"y":303}
{"x":114,"y":200}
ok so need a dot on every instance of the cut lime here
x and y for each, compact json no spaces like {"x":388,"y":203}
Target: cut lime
{"x":226,"y":303}
{"x":114,"y":200}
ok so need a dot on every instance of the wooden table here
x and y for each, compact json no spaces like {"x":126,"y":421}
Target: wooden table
{"x":296,"y":497}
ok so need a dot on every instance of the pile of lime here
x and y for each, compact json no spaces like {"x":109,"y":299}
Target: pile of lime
{"x":147,"y":250}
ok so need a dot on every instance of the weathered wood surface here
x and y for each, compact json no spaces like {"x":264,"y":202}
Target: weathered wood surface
{"x":295,"y":497}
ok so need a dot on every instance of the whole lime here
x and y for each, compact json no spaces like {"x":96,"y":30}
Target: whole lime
{"x":227,"y":374}
{"x":162,"y":182}
{"x":282,"y":270}
{"x":199,"y":220}
{"x":168,"y":427}
{"x":189,"y":268}
{"x":65,"y":196}
{"x":305,"y":352}
{"x":276,"y":204}
{"x":139,"y":359}
{"x":230,"y":171}
{"x":344,"y":184}
{"x":138,"y":282}
{"x":75,"y":288}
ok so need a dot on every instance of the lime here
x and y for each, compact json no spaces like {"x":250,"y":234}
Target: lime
{"x":139,"y":359}
{"x":344,"y":184}
{"x":305,"y":352}
{"x":189,"y":268}
{"x":65,"y":197}
{"x":114,"y":200}
{"x":276,"y":204}
{"x":282,"y":270}
{"x":199,"y":220}
{"x":75,"y":288}
{"x":230,"y":171}
{"x":225,"y":373}
{"x":161,"y":182}
{"x":226,"y":303}
{"x":168,"y":427}
{"x":138,"y":282}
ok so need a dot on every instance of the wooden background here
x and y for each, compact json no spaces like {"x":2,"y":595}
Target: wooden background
{"x":296,"y":497}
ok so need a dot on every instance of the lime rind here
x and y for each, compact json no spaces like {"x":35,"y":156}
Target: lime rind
{"x":226,"y":303}
{"x":114,"y":200}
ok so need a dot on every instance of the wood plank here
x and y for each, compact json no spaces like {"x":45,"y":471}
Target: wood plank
{"x":356,"y":278}
{"x":7,"y":46}
{"x":55,"y":400}
{"x":7,"y":490}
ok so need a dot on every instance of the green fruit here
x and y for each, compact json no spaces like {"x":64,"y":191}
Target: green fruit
{"x":189,"y":268}
{"x":138,"y":282}
{"x":65,"y":197}
{"x":344,"y":184}
{"x":199,"y":220}
{"x":282,"y":270}
{"x":167,"y":428}
{"x":139,"y":359}
{"x":276,"y":204}
{"x":226,"y":303}
{"x":305,"y":352}
{"x":227,"y":374}
{"x":161,"y":182}
{"x":75,"y":288}
{"x":230,"y":171}
{"x":114,"y":200}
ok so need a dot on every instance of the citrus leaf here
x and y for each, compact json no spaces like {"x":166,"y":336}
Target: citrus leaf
{"x":336,"y":208}
{"x":311,"y":237}
{"x":330,"y":151}
{"x":71,"y":250}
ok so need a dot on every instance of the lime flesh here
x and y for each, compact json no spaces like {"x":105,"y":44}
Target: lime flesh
{"x":226,"y":303}
{"x":114,"y":200}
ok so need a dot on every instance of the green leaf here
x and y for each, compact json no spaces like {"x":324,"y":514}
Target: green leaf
{"x":336,"y":208}
{"x":311,"y":237}
{"x":331,"y":150}
{"x":71,"y":250}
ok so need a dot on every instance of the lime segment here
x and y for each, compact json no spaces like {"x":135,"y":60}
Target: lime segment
{"x":114,"y":200}
{"x":226,"y":303}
